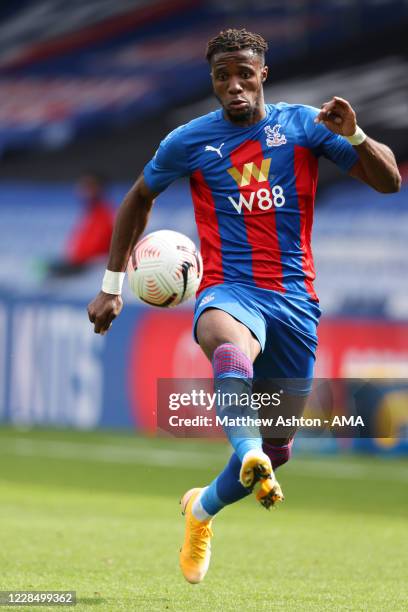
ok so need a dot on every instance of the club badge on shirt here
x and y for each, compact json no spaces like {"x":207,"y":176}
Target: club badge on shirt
{"x":273,"y":137}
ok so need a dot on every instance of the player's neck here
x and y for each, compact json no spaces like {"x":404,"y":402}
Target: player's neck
{"x":258,"y":115}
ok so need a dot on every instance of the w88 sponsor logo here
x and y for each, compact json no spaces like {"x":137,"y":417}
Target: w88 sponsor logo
{"x":264,"y":199}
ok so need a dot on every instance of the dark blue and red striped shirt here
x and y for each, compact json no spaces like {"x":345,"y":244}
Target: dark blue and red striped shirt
{"x":253,"y":190}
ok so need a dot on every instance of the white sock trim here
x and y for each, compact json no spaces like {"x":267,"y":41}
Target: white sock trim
{"x":197,"y":509}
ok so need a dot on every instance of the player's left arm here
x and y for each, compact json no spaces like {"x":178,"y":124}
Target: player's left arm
{"x":376,"y":165}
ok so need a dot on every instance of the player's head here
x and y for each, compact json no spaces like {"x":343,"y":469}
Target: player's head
{"x":238,"y":71}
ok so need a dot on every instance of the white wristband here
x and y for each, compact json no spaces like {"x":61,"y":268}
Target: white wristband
{"x":357,"y":138}
{"x":112,"y":282}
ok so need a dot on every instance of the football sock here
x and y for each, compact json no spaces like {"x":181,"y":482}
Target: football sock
{"x":226,"y":488}
{"x":200,"y":512}
{"x":278,"y":454}
{"x":233,"y":374}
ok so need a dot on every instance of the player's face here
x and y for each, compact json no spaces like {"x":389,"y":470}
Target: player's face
{"x":237,"y":78}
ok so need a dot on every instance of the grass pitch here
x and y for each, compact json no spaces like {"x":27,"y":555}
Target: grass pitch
{"x":99,"y":514}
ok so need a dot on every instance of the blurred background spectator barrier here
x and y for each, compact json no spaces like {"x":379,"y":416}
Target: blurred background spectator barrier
{"x":54,"y":371}
{"x":97,"y":85}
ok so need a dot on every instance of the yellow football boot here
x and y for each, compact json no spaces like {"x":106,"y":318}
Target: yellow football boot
{"x":195,"y":553}
{"x":257,"y":474}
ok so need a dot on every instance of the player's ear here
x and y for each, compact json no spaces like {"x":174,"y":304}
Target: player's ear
{"x":264,"y":73}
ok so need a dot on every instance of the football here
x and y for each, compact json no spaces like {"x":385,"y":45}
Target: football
{"x":165,"y":269}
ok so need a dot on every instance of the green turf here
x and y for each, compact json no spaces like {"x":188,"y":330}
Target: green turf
{"x":98,"y":514}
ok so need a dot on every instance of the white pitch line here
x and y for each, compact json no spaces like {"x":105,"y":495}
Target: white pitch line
{"x":81,"y":451}
{"x":104,"y":453}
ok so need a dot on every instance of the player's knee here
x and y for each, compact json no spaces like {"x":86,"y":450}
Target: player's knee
{"x":216,"y":327}
{"x":279,"y":451}
{"x":211,"y":340}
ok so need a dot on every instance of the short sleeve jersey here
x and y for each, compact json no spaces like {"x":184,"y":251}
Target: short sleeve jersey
{"x":253,"y":190}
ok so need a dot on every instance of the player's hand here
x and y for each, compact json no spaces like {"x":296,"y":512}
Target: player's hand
{"x":338,"y":116}
{"x":103,"y":309}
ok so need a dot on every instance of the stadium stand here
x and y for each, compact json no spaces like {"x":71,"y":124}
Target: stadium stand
{"x":86,"y":69}
{"x":102,"y":82}
{"x":91,"y":72}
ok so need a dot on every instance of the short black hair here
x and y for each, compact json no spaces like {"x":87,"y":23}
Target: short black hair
{"x":235,"y":40}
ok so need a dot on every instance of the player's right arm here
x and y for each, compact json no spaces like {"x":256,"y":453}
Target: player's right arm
{"x":130,"y":223}
{"x":169,"y":163}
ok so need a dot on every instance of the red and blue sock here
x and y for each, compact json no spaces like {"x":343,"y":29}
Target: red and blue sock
{"x":233,"y":372}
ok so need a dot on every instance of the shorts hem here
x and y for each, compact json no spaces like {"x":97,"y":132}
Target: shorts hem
{"x":240,"y":320}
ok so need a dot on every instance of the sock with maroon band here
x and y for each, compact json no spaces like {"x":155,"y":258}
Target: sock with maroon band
{"x":233,"y":374}
{"x":278,"y":454}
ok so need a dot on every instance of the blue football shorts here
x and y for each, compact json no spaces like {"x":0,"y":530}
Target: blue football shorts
{"x":285,"y":326}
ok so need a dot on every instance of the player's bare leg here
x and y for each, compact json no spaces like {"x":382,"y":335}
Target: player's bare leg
{"x":216,"y":327}
{"x":232,"y":348}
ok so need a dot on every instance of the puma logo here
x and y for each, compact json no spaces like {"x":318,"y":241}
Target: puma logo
{"x":218,"y":151}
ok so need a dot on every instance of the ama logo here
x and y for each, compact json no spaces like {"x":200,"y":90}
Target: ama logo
{"x":265,"y":197}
